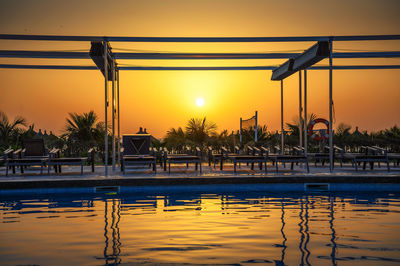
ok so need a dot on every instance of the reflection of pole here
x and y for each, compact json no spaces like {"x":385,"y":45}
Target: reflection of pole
{"x":333,"y":238}
{"x":282,"y":132}
{"x":306,"y":233}
{"x":105,"y":230}
{"x":283,"y":235}
{"x":301,"y":230}
{"x":113,"y":258}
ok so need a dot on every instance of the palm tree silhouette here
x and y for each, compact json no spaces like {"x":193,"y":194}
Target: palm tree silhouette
{"x":83,"y":131}
{"x":10,"y":131}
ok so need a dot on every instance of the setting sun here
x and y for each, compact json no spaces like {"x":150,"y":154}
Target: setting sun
{"x":200,"y":102}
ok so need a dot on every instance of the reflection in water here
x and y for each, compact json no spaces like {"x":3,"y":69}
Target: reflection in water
{"x":306,"y":232}
{"x":282,"y":261}
{"x":333,"y":238}
{"x":188,"y":228}
{"x":112,"y":258}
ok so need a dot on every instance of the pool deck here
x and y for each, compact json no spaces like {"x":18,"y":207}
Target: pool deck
{"x":188,"y":176}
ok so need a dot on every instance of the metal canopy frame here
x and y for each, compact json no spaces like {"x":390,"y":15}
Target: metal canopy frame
{"x":196,"y":56}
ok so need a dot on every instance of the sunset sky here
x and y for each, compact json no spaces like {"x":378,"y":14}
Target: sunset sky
{"x":159,"y":100}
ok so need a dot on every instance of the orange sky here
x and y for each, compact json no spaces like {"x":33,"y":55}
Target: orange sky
{"x":159,"y":100}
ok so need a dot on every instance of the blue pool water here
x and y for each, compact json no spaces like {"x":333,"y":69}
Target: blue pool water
{"x":235,"y":227}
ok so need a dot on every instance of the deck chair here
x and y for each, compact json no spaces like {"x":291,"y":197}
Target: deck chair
{"x":214,"y":156}
{"x":254,"y":156}
{"x":185,"y":158}
{"x":33,"y":153}
{"x":229,"y":156}
{"x":135,"y":152}
{"x":57,"y":161}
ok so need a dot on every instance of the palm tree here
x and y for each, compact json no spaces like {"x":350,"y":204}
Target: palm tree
{"x":9,"y":132}
{"x":83,"y":131}
{"x":342,"y":135}
{"x":200,"y":130}
{"x":175,"y":138}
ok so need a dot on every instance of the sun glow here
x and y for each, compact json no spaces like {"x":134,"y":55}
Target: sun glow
{"x":200,"y":102}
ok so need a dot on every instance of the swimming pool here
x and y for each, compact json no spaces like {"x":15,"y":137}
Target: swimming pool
{"x":241,"y":226}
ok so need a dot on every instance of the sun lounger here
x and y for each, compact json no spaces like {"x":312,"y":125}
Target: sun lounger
{"x":182,"y":159}
{"x":57,"y":161}
{"x":393,"y":157}
{"x":136,"y":152}
{"x":33,"y":153}
{"x":289,"y":159}
{"x":214,"y":156}
{"x":39,"y":161}
{"x":228,"y":156}
{"x":371,"y":159}
{"x":34,"y":148}
{"x":255,"y":156}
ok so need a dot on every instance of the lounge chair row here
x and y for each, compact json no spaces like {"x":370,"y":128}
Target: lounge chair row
{"x":34,"y":153}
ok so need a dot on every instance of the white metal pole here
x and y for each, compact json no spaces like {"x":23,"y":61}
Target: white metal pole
{"x":106,"y":109}
{"x":119,"y":132}
{"x":331,"y":162}
{"x":240,"y":132}
{"x":282,"y":131}
{"x":255,"y":128}
{"x":300,"y":113}
{"x":113,"y":115}
{"x":305,"y":112}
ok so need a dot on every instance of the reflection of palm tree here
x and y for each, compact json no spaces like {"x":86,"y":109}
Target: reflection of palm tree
{"x":9,"y":131}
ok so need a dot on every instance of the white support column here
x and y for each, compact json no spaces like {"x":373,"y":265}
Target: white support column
{"x":240,"y":132}
{"x":300,"y":113}
{"x":331,"y":162}
{"x":113,"y":115}
{"x":305,"y":112}
{"x":282,"y":130}
{"x":106,"y":109}
{"x":119,"y":132}
{"x":255,"y":128}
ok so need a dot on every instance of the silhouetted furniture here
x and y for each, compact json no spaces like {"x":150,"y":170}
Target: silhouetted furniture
{"x":229,"y":156}
{"x":214,"y":156}
{"x":33,"y":153}
{"x":39,"y":161}
{"x":393,"y":157}
{"x":33,"y":148}
{"x":290,"y":159}
{"x":254,"y":156}
{"x":182,"y":159}
{"x":57,"y":161}
{"x":136,"y":152}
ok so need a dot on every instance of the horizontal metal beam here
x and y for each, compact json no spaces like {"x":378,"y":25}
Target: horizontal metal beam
{"x":202,"y":56}
{"x":188,"y":56}
{"x":198,"y":39}
{"x":44,"y":54}
{"x":48,"y":67}
{"x":353,"y":67}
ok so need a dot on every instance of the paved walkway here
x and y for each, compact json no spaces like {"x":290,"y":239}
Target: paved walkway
{"x":182,"y":175}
